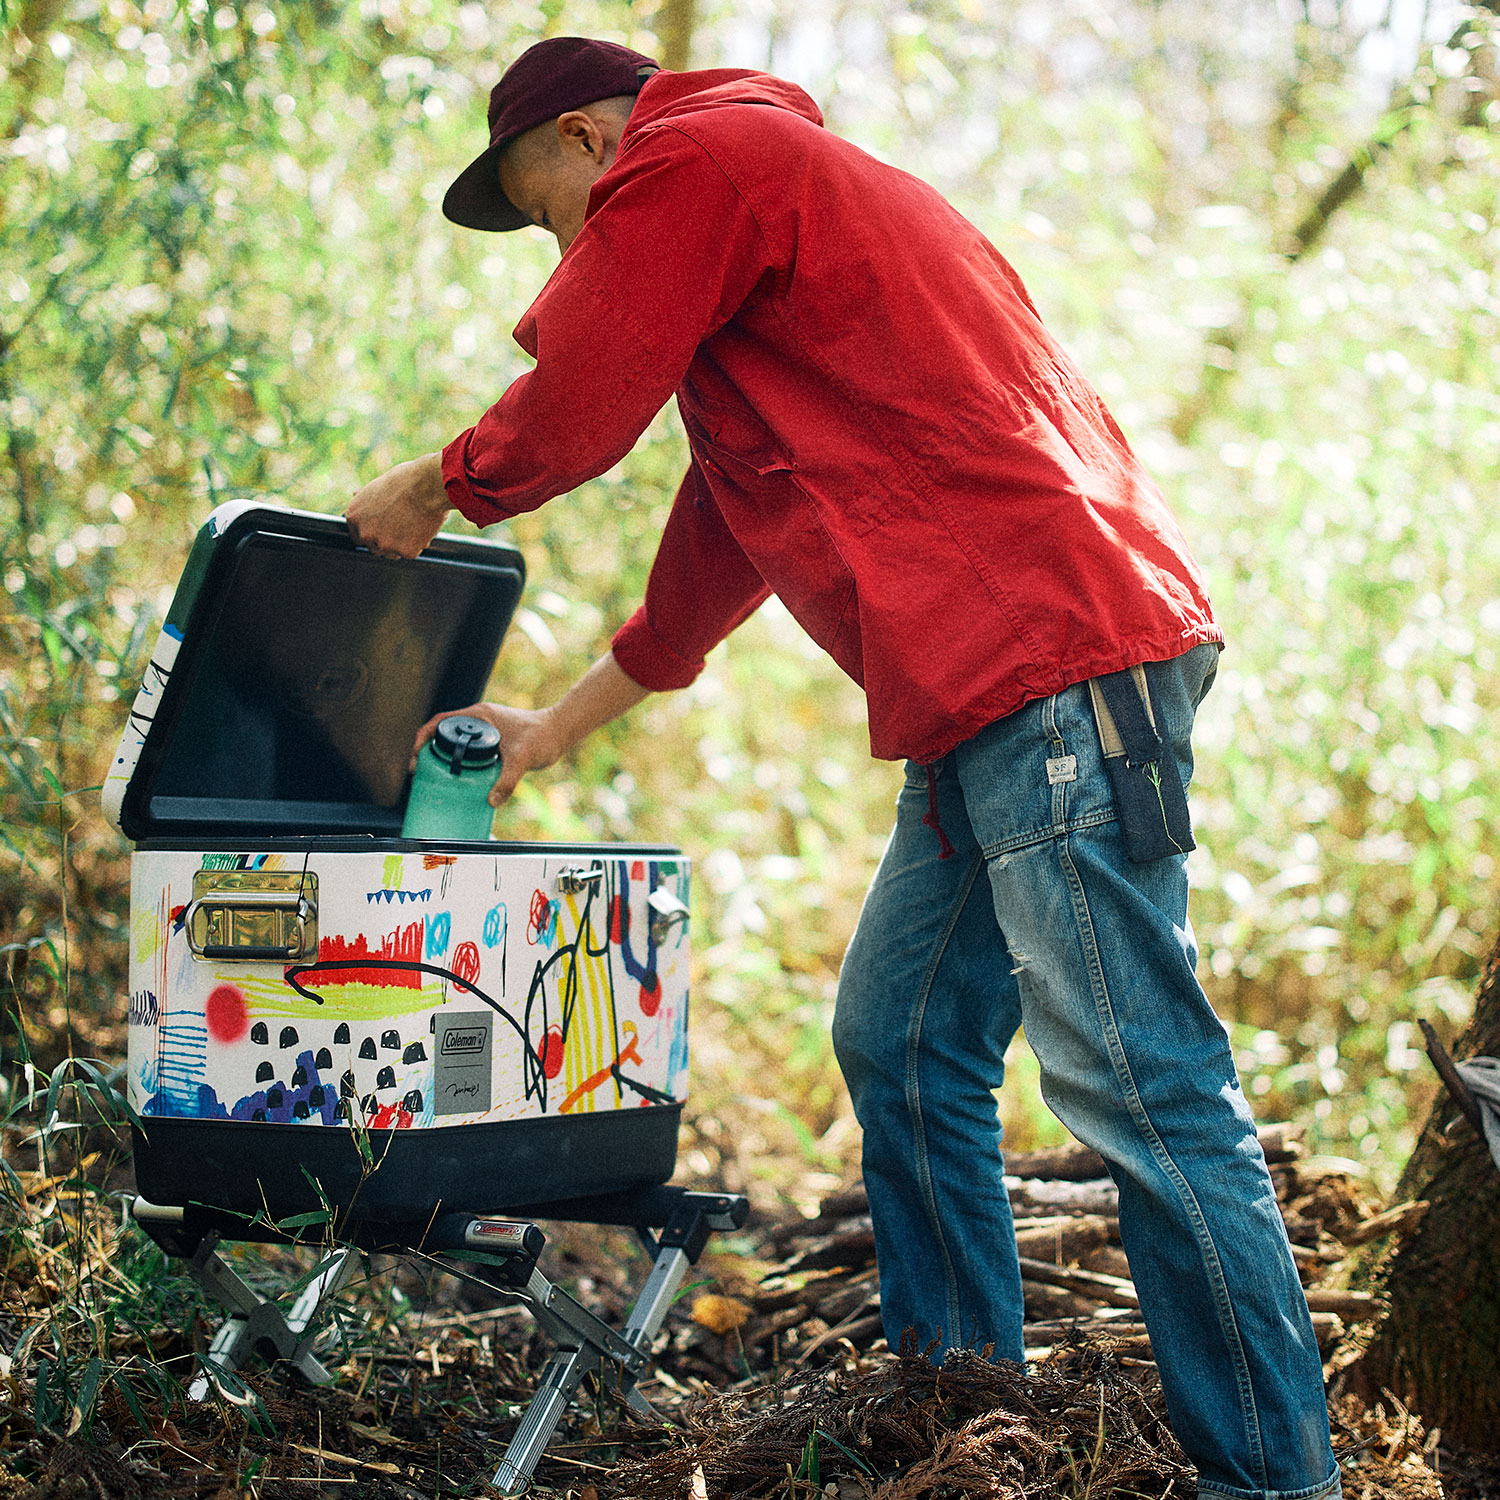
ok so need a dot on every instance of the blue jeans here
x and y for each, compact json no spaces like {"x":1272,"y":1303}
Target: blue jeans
{"x":1039,"y":918}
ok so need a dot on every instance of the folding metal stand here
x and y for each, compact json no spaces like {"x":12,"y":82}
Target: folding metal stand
{"x":586,"y":1344}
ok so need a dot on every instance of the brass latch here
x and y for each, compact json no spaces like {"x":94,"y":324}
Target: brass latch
{"x":253,"y":916}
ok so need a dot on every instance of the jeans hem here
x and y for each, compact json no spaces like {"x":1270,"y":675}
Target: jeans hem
{"x":1329,"y":1489}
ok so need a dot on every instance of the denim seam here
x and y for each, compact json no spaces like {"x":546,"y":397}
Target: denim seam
{"x":1046,"y":835}
{"x":1138,"y":1113}
{"x":914,"y":1093}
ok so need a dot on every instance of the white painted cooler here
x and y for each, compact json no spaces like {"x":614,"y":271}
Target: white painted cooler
{"x":322,"y":1013}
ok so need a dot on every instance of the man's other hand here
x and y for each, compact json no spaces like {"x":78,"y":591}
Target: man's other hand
{"x":399,"y":513}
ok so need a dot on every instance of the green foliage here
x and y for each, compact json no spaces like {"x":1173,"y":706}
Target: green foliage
{"x":223,"y":272}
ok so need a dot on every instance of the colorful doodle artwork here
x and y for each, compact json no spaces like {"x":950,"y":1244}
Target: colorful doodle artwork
{"x":388,"y":1023}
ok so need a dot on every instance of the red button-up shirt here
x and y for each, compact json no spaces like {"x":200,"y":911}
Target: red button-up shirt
{"x":882,"y":431}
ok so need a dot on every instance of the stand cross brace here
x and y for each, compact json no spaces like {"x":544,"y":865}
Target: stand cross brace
{"x":586,"y":1344}
{"x":257,"y":1324}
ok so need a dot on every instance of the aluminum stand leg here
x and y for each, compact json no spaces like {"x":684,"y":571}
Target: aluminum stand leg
{"x":590,"y":1345}
{"x":257,"y":1324}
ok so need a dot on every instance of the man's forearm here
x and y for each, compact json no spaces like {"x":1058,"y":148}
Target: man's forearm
{"x":603,"y":693}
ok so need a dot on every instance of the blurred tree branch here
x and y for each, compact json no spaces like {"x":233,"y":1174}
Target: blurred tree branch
{"x":36,"y":19}
{"x":1408,"y":105}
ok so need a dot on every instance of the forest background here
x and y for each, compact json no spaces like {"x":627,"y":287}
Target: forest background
{"x":1267,"y":230}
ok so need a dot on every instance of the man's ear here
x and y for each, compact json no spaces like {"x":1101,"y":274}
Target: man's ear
{"x":579,"y":133}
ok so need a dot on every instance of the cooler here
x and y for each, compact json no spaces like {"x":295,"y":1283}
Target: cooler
{"x":327,"y":1016}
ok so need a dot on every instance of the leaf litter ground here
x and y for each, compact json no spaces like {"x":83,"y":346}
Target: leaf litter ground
{"x":429,"y":1395}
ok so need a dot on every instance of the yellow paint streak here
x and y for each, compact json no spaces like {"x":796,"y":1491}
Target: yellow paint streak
{"x":599,"y":1015}
{"x":577,"y":1061}
{"x":146,"y":933}
{"x":342,"y":1002}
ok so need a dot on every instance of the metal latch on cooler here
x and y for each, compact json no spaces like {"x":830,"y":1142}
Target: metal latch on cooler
{"x":667,"y":912}
{"x":253,"y":916}
{"x":573,"y":880}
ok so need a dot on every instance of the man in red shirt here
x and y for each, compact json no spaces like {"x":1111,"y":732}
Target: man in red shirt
{"x":884,"y":435}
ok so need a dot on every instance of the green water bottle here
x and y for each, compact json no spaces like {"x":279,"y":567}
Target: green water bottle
{"x":450,"y":790}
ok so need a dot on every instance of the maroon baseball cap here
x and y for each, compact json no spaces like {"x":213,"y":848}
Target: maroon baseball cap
{"x":545,"y":81}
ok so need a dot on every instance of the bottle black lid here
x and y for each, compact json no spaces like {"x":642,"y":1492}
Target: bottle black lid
{"x":465,"y":741}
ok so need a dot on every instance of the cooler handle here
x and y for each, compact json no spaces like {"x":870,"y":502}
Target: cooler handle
{"x":229,"y":902}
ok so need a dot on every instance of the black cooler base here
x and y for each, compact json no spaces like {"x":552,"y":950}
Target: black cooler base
{"x":276,"y":1171}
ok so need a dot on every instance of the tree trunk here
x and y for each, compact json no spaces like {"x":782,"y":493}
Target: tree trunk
{"x":1438,"y":1347}
{"x":674,"y":30}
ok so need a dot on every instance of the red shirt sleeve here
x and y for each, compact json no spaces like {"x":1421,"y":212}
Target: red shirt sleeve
{"x":668,"y":252}
{"x":701,"y":587}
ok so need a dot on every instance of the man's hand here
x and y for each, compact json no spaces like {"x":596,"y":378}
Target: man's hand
{"x":534,"y":738}
{"x":529,"y":741}
{"x":399,"y":513}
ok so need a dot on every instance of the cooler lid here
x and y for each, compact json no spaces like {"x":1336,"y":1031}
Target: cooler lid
{"x":293,"y":672}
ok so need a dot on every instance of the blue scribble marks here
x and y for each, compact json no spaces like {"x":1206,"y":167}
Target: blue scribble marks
{"x":182,"y":1051}
{"x":437,"y":934}
{"x":402,"y":896}
{"x":496,"y":922}
{"x":279,"y":1104}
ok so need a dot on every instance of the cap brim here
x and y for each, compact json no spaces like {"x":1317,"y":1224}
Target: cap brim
{"x":476,"y":200}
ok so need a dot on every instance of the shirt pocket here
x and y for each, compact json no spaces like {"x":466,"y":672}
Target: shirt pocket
{"x":734,"y":439}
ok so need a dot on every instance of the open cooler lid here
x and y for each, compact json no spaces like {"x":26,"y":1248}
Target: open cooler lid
{"x":293,"y":672}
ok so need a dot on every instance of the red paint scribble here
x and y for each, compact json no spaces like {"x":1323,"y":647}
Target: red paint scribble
{"x":541,"y":922}
{"x":619,"y":917}
{"x":466,"y":962}
{"x":391,"y":1117}
{"x":226,"y":1014}
{"x":552,"y":1052}
{"x":405,"y":945}
{"x":651,"y":995}
{"x":638,"y":869}
{"x":437,"y":861}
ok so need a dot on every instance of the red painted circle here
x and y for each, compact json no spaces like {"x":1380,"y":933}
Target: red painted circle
{"x":466,"y":962}
{"x":552,"y":1052}
{"x":226,"y":1014}
{"x":651,"y":996}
